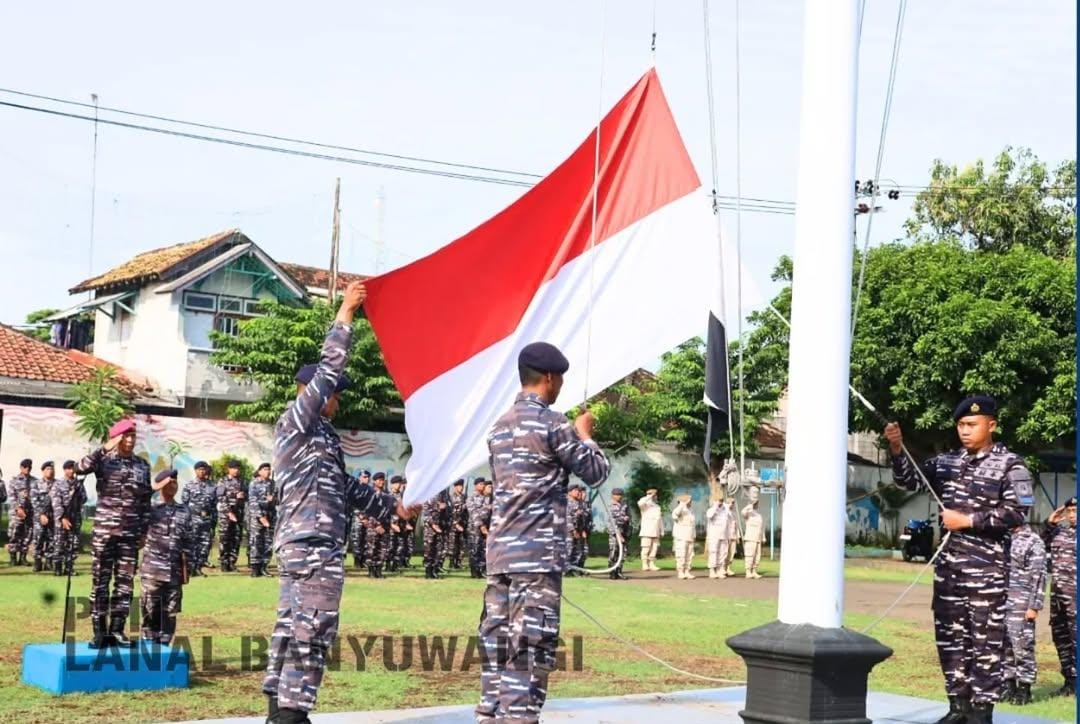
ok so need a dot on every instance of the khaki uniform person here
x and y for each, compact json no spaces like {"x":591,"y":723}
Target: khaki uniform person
{"x":684,"y":531}
{"x":753,"y":537}
{"x":652,"y":528}
{"x":717,"y":524}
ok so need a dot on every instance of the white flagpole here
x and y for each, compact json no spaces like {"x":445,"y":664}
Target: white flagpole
{"x":812,"y":555}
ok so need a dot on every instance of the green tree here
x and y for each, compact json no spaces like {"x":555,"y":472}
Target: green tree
{"x":175,"y":449}
{"x":1018,"y":201}
{"x":35,"y":317}
{"x":98,"y":403}
{"x":219,"y":466}
{"x":645,"y":474}
{"x":269,"y":350}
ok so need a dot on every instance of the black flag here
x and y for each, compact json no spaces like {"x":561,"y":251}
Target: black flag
{"x":717,"y":385}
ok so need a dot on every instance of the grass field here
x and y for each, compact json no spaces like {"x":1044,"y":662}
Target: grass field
{"x":687,"y":629}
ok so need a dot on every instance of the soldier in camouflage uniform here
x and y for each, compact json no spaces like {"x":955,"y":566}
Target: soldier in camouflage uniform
{"x":259,"y":512}
{"x":433,"y":530}
{"x":231,"y":497}
{"x":1027,"y":579}
{"x":618,"y":527}
{"x":410,"y":533}
{"x":41,"y":502}
{"x":120,"y":521}
{"x":357,"y":533}
{"x":398,"y":531}
{"x":985,"y":489}
{"x":1060,"y":538}
{"x":533,"y":450}
{"x":200,"y":497}
{"x":314,"y":495}
{"x":377,"y":537}
{"x":472,"y":505}
{"x":21,"y":513}
{"x":67,"y":497}
{"x":164,"y":569}
{"x":457,"y":534}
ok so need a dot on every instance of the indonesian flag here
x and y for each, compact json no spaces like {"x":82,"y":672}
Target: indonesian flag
{"x":451,"y":324}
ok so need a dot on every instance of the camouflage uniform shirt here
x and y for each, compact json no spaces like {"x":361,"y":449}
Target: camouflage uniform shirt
{"x":533,"y":449}
{"x":168,"y":536}
{"x":314,"y":491}
{"x":200,"y":496}
{"x":123,"y":488}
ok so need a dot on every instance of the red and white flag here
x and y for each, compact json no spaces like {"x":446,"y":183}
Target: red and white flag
{"x":451,"y":324}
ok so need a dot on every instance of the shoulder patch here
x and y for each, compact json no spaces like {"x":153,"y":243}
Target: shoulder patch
{"x":1023,"y":485}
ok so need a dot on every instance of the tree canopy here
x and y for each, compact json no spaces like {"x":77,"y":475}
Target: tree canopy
{"x":271,"y":348}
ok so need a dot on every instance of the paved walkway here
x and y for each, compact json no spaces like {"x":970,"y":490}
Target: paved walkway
{"x":705,"y":706}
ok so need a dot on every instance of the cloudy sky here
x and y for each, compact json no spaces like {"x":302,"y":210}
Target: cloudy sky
{"x":505,"y":85}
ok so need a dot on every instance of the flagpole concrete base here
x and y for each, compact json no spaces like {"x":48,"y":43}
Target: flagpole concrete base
{"x":803,"y":673}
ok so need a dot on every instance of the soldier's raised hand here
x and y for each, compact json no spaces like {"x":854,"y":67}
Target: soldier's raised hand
{"x":584,"y":425}
{"x":895,"y":437}
{"x":355,"y":294}
{"x":112,"y":443}
{"x":1056,"y":515}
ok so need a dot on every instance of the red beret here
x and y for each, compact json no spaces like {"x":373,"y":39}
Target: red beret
{"x":125,"y":425}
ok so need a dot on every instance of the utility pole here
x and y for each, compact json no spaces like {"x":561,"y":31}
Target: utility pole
{"x":93,"y":191}
{"x":335,"y":239}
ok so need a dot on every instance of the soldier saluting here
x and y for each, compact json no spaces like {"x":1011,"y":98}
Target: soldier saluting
{"x":120,"y":522}
{"x":314,"y":494}
{"x":985,"y":490}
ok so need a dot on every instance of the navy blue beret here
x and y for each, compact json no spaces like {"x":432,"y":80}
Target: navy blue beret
{"x":379,"y":476}
{"x":234,"y":463}
{"x":26,"y":463}
{"x":617,"y":491}
{"x":365,"y":472}
{"x":202,"y":464}
{"x":479,"y":481}
{"x":459,"y":481}
{"x":69,"y":465}
{"x":1071,"y":502}
{"x":261,"y":466}
{"x":164,"y":475}
{"x":543,"y":357}
{"x":397,"y":479}
{"x":976,"y":405}
{"x":47,"y":464}
{"x":308,"y":371}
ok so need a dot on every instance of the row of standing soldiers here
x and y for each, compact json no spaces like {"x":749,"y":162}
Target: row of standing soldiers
{"x":47,"y":513}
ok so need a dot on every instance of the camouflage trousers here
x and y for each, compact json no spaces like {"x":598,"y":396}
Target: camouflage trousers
{"x":613,"y":550}
{"x":432,"y":547}
{"x":66,"y":547}
{"x":260,"y":542}
{"x":410,"y":546}
{"x":19,"y":533}
{"x":1019,"y":660}
{"x":399,"y":547}
{"x":229,"y":544}
{"x":457,"y":546}
{"x":160,"y":603}
{"x":307,"y":620}
{"x":202,"y":535}
{"x":43,"y":543}
{"x":478,"y":551}
{"x":579,"y":551}
{"x":519,"y":634}
{"x":115,"y":558}
{"x":969,"y":623}
{"x":358,"y":538}
{"x":1063,"y":624}
{"x":378,"y":547}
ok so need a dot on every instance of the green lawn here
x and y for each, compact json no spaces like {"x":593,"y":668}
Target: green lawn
{"x":688,"y":630}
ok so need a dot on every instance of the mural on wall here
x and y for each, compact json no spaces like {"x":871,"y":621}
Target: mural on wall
{"x":44,"y":433}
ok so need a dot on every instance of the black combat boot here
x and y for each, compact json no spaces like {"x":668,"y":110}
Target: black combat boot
{"x":427,"y":572}
{"x":1023,"y":694}
{"x":255,"y":572}
{"x":981,"y":713}
{"x":370,"y":571}
{"x":116,"y":632}
{"x":98,"y":622}
{"x":1067,"y":689}
{"x":14,"y":558}
{"x":356,"y":561}
{"x":37,"y":565}
{"x":1008,"y":691}
{"x":58,"y":568}
{"x":292,"y":716}
{"x":620,"y":575}
{"x":22,"y":558}
{"x":378,"y":570}
{"x":271,"y":709}
{"x":959,"y":709}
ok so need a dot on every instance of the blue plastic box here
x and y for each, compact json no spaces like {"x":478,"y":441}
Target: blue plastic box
{"x":75,"y":667}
